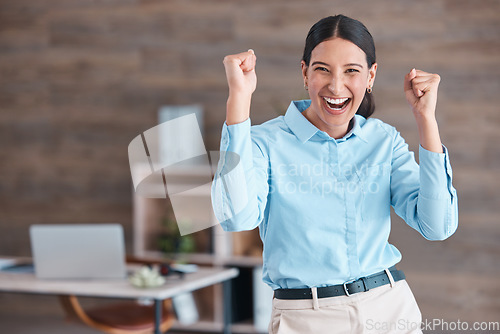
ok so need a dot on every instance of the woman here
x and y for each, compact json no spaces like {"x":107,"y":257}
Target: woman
{"x":319,"y":183}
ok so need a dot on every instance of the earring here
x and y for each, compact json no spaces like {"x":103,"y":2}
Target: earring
{"x":369,"y":90}
{"x":305,"y":87}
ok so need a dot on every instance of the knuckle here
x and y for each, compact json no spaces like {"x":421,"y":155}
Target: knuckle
{"x":229,"y":59}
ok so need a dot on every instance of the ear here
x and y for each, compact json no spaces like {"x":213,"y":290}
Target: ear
{"x":372,"y":72}
{"x":304,"y":68}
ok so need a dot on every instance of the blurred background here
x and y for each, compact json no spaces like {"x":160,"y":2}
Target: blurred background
{"x":79,"y":79}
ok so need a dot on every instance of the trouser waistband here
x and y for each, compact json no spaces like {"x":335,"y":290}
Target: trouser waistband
{"x":360,"y":285}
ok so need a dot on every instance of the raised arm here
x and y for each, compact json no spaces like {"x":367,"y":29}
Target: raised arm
{"x":240,"y":188}
{"x":424,"y":195}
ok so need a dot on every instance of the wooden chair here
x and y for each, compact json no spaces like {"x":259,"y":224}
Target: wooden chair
{"x":123,"y":317}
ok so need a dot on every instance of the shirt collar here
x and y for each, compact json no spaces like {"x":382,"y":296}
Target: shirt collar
{"x":304,"y":130}
{"x":299,"y":125}
{"x":357,"y":129}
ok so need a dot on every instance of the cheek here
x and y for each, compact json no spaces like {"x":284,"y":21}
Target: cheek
{"x":359,"y":87}
{"x":314,"y":89}
{"x":316,"y":82}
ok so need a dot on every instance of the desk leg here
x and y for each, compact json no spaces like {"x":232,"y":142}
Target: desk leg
{"x":158,"y":308}
{"x":226,"y":287}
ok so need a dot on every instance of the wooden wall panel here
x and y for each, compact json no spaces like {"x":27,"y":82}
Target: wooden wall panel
{"x":79,"y":79}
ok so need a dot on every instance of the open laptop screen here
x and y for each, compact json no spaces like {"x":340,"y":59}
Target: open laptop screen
{"x":78,"y":251}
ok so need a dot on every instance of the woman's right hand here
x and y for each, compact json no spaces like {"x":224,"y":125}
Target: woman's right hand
{"x":242,"y":81}
{"x":240,"y":73}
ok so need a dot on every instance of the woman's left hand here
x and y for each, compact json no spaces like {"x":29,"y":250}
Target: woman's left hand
{"x":421,"y":90}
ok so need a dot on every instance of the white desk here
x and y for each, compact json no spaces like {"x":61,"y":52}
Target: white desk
{"x":120,"y":288}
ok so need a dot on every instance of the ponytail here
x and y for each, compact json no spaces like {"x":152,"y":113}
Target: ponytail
{"x":367,"y":106}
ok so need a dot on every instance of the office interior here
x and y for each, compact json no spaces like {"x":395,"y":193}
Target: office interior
{"x":79,"y":80}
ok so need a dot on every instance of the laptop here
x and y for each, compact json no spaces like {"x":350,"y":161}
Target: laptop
{"x":91,"y":251}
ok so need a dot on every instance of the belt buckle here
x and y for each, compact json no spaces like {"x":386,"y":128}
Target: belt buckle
{"x":345,"y":287}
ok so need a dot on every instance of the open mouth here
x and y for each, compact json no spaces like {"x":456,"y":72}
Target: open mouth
{"x":336,"y":105}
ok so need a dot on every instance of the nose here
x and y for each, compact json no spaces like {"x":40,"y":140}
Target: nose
{"x":336,"y":84}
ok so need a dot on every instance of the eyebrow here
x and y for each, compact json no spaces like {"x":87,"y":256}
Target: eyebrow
{"x":353,"y":64}
{"x":346,"y":65}
{"x":319,"y":63}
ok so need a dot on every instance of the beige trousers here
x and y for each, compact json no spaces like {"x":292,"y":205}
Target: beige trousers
{"x":384,"y":309}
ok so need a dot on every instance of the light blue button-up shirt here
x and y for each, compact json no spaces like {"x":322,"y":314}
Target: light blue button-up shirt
{"x":323,"y":205}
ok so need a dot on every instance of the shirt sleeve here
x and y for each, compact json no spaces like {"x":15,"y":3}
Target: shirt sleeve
{"x":424,"y":195}
{"x":240,"y":187}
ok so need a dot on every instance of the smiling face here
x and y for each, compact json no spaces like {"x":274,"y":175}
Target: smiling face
{"x":337,"y":78}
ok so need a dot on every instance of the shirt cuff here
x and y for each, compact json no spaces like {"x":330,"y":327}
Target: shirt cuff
{"x":235,"y":129}
{"x":236,"y":138}
{"x":435,"y":174}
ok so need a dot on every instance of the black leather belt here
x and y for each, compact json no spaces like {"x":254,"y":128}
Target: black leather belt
{"x":361,"y":285}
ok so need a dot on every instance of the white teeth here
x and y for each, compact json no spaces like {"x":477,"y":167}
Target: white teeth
{"x":335,"y":101}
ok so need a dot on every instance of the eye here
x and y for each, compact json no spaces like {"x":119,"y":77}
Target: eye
{"x":321,"y":68}
{"x":352,"y":70}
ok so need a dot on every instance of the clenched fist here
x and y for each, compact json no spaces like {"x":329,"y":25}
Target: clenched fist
{"x":242,"y":81}
{"x":240,"y":73}
{"x":421,"y":90}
